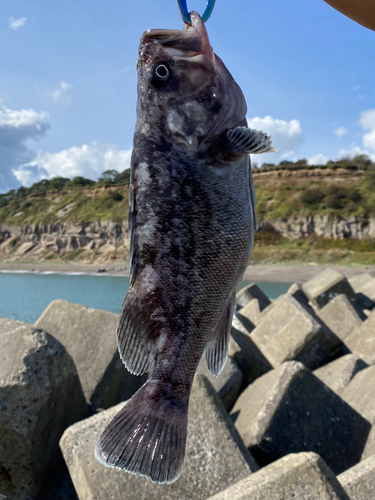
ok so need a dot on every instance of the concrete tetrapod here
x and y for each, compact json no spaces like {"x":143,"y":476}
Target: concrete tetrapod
{"x":215,"y":456}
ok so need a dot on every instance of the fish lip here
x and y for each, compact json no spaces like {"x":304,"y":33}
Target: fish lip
{"x":192,"y":37}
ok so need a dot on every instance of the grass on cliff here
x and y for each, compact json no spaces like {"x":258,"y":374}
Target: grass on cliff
{"x":272,"y":248}
{"x":279,"y":198}
{"x":86,"y":205}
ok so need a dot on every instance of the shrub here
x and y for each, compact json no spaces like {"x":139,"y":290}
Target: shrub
{"x":312,"y":196}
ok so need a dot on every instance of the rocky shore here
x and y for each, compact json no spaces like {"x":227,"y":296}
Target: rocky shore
{"x":292,"y":415}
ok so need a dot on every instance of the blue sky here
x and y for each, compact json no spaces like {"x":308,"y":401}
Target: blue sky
{"x":68,"y":80}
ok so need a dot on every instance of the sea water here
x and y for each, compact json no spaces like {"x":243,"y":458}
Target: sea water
{"x":24,"y":296}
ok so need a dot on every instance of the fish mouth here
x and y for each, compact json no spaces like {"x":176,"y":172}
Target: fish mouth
{"x":192,"y":38}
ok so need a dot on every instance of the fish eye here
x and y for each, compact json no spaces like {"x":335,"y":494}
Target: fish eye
{"x":160,"y":75}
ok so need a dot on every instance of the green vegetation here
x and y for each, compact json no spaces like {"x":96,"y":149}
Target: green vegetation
{"x":271,"y":248}
{"x":350,"y":192}
{"x":61,"y":200}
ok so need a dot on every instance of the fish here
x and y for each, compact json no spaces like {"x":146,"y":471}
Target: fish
{"x":191,"y":224}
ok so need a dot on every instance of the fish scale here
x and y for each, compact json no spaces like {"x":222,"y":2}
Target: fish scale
{"x":191,"y":224}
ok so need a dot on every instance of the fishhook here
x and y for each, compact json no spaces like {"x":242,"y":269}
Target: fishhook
{"x":182,"y":6}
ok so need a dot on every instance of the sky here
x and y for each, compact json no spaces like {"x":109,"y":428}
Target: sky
{"x":68,"y":80}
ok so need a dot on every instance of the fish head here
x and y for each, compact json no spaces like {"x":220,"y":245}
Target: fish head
{"x":185,"y":92}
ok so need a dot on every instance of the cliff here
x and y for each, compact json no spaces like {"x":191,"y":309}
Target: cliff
{"x":322,"y":225}
{"x":92,"y":242}
{"x":107,"y":241}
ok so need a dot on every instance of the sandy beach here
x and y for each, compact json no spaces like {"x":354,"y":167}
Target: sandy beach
{"x":281,"y":273}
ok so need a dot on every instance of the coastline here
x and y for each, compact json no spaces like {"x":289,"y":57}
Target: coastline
{"x":271,"y":273}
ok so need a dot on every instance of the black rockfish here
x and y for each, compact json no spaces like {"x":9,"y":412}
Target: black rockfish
{"x":191,"y":224}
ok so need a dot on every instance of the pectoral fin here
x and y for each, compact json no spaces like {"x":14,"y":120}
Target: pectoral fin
{"x":217,"y":349}
{"x":243,"y":140}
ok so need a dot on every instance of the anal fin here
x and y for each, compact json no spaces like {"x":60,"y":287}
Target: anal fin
{"x":243,"y":140}
{"x":135,"y":336}
{"x":217,"y":349}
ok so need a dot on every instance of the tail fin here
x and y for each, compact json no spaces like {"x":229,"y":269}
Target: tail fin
{"x":147,"y":437}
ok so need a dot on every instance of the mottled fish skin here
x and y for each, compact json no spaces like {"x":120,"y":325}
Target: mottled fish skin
{"x":191,"y":223}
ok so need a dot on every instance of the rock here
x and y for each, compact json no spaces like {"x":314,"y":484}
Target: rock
{"x":359,"y":481}
{"x":340,"y":317}
{"x":362,"y":341}
{"x":89,"y":335}
{"x":303,"y":476}
{"x":215,"y":456}
{"x":251,"y":292}
{"x":227,"y":384}
{"x":250,"y":360}
{"x":338,"y":374}
{"x":250,"y":312}
{"x":326,"y":285}
{"x":360,"y":393}
{"x":40,"y":396}
{"x":289,"y":410}
{"x":290,"y":331}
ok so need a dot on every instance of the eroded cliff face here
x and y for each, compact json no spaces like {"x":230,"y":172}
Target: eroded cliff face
{"x":108,"y":241}
{"x":325,"y":226}
{"x":90,"y":241}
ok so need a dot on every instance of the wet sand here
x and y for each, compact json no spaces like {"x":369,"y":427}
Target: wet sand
{"x":281,"y":273}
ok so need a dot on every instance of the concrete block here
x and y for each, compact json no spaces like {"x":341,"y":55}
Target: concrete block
{"x":40,"y":396}
{"x":89,"y":335}
{"x":215,"y":456}
{"x":250,"y":360}
{"x":360,"y":393}
{"x":364,"y":287}
{"x":290,"y":331}
{"x":303,"y":476}
{"x":369,"y":449}
{"x":227,"y":384}
{"x":359,"y":280}
{"x":326,"y":285}
{"x":289,"y":410}
{"x":250,"y":312}
{"x":362,"y":341}
{"x":340,"y":317}
{"x":359,"y":481}
{"x":339,"y":373}
{"x":251,"y":292}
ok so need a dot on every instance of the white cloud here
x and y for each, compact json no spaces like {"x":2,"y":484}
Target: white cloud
{"x":318,"y":159}
{"x":286,"y":137}
{"x":16,"y":128}
{"x":355,"y":151}
{"x":367,"y":120}
{"x":89,"y":161}
{"x":356,"y":87}
{"x":60,"y":94}
{"x":16,"y":24}
{"x":21,"y":165}
{"x":340,"y":131}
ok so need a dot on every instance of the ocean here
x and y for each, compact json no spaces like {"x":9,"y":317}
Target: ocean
{"x":24,"y":296}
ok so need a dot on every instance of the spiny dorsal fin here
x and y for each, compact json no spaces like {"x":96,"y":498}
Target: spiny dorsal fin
{"x":217,"y":349}
{"x":243,"y":140}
